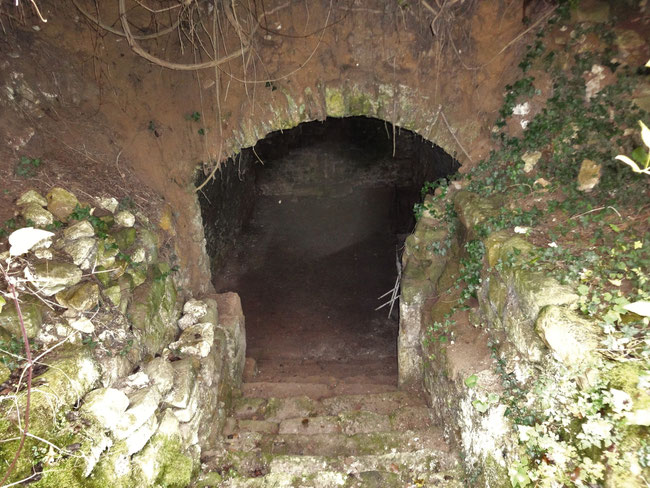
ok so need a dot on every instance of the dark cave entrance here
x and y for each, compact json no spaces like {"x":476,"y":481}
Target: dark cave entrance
{"x":308,"y":227}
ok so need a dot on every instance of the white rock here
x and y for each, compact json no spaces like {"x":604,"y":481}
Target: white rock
{"x":161,"y":374}
{"x":82,"y":324}
{"x":31,"y":196}
{"x":184,"y":378}
{"x":133,"y":383}
{"x":196,"y":340}
{"x":37,"y":214}
{"x":196,"y":308}
{"x":136,"y":441}
{"x":125,"y":219}
{"x":143,"y":404}
{"x":22,"y":240}
{"x":186,"y":414}
{"x":106,"y":405}
{"x":82,"y":251}
{"x":186,"y":321}
{"x":108,"y":203}
{"x":79,"y":230}
{"x":139,"y":255}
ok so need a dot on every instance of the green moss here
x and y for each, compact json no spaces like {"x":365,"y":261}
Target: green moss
{"x":360,"y":104}
{"x":335,"y":102}
{"x":625,"y":376}
{"x":176,"y":468}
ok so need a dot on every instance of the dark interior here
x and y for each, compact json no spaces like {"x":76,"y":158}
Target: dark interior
{"x":308,"y":227}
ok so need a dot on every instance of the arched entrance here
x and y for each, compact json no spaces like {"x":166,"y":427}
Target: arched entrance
{"x":308,"y":228}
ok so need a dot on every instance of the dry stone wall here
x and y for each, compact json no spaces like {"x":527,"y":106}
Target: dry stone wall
{"x":131,"y":384}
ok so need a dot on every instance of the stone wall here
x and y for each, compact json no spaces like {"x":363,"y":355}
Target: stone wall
{"x":525,"y":334}
{"x":130,"y":385}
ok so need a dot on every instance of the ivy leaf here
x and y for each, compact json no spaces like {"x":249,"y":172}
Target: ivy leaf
{"x":481,"y":406}
{"x":471,"y":381}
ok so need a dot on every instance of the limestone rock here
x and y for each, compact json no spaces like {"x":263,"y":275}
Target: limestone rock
{"x":82,"y":251}
{"x":537,"y":290}
{"x":186,"y":414}
{"x":114,"y":294}
{"x":61,"y":203}
{"x":82,"y":297}
{"x":473,"y":209}
{"x":108,"y":203}
{"x":124,"y":238}
{"x":530,"y":160}
{"x":32,"y":318}
{"x":143,"y":404}
{"x":125,"y":219}
{"x":589,"y":175}
{"x":572,"y":339}
{"x":44,"y":254}
{"x":153,"y":314}
{"x":161,"y":374}
{"x":184,"y":379}
{"x":197,"y":308}
{"x":106,"y":405}
{"x":79,"y":230}
{"x":37,"y":214}
{"x":231,"y":320}
{"x":31,"y":196}
{"x":196,"y":340}
{"x":82,"y":324}
{"x":132,"y":383}
{"x":137,"y":440}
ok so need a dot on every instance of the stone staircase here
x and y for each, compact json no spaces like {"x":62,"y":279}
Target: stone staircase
{"x":307,"y":432}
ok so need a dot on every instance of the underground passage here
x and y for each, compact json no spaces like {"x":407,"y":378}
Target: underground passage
{"x":324,"y":244}
{"x":308,"y":227}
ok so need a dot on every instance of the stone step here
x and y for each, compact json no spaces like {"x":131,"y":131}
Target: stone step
{"x":333,"y":479}
{"x":422,"y":467}
{"x":316,"y":391}
{"x":375,"y":371}
{"x":348,"y":423}
{"x":337,"y":443}
{"x":278,"y":409}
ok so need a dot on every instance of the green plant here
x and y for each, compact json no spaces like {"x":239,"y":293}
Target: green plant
{"x":641,"y":163}
{"x":194,"y":116}
{"x":26,"y":167}
{"x":100,"y":226}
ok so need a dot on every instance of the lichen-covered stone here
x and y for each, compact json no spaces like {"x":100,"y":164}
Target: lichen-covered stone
{"x":153,"y":313}
{"x":31,"y":196}
{"x":82,"y":324}
{"x":161,"y":373}
{"x":114,"y":294}
{"x":473,"y":209}
{"x":125,"y":219}
{"x":82,"y":251}
{"x":32,"y":318}
{"x":82,"y":297}
{"x":572,"y":339}
{"x":37,"y":214}
{"x":106,"y":406}
{"x":232,"y":322}
{"x":124,"y":238}
{"x":184,"y":378}
{"x":196,"y":340}
{"x":61,"y":203}
{"x":143,"y":404}
{"x":536,"y":290}
{"x":78,"y":230}
{"x":136,"y":441}
{"x":500,"y":245}
{"x":589,"y":175}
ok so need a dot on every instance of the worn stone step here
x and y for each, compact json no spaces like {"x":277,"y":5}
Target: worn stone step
{"x":316,"y":391}
{"x":339,"y":444}
{"x":278,"y":409}
{"x":335,"y":479}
